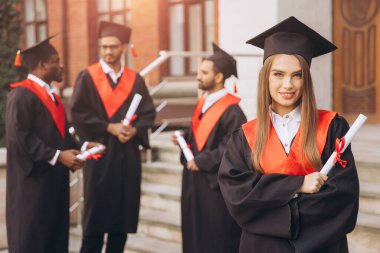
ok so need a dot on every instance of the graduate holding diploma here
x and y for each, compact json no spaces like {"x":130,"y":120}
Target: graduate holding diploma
{"x":216,"y":116}
{"x":270,"y":173}
{"x":40,"y":152}
{"x":102,"y":97}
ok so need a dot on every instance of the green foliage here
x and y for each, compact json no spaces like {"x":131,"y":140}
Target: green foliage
{"x":10,"y":30}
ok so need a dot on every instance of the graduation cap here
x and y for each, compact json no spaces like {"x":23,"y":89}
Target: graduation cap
{"x":36,"y":53}
{"x":223,"y":61}
{"x":291,"y":36}
{"x":123,"y":33}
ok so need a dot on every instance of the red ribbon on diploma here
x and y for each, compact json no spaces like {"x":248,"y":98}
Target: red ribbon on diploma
{"x":339,"y":145}
{"x":94,"y":156}
{"x":134,"y":117}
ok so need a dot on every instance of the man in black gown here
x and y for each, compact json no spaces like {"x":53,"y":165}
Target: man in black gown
{"x":207,"y":227}
{"x":102,"y":95}
{"x":39,"y":153}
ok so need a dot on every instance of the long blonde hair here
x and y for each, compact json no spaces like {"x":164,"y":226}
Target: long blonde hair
{"x":309,"y":116}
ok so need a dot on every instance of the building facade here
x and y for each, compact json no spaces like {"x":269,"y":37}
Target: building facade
{"x":346,"y":81}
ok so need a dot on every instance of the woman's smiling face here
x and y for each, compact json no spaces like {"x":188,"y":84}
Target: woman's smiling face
{"x":285,"y":83}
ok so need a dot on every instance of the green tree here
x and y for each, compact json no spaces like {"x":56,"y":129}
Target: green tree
{"x":10,"y":30}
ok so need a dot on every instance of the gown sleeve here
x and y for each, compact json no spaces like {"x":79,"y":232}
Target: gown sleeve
{"x":20,"y":135}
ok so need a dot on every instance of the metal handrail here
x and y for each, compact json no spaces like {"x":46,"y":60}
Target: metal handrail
{"x":156,"y":88}
{"x":165,"y":55}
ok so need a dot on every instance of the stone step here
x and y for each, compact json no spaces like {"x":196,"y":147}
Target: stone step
{"x":177,"y":101}
{"x":163,"y":172}
{"x":367,"y":171}
{"x":163,"y":149}
{"x":160,"y":224}
{"x":369,"y":221}
{"x":358,"y":242}
{"x":168,"y":155}
{"x":369,"y":198}
{"x":365,"y":237}
{"x":178,"y":88}
{"x":161,"y":197}
{"x":3,"y":158}
{"x":145,"y":244}
{"x":136,"y":243}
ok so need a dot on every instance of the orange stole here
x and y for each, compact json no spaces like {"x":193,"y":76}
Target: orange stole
{"x":202,"y":128}
{"x":274,"y":159}
{"x":112,"y":99}
{"x":57,"y":112}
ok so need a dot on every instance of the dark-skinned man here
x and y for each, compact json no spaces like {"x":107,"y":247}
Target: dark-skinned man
{"x":207,"y":226}
{"x":40,"y":152}
{"x":102,"y":95}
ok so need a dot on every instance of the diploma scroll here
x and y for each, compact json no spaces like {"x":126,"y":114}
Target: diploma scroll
{"x":347,"y":140}
{"x":184,"y":147}
{"x":91,"y":152}
{"x":132,"y":109}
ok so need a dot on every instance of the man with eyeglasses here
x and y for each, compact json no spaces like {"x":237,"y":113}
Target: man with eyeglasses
{"x":102,"y":95}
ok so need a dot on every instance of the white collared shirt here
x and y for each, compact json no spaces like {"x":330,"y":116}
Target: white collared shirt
{"x":50,"y":90}
{"x":108,"y":70}
{"x":286,"y":126}
{"x":213,"y":98}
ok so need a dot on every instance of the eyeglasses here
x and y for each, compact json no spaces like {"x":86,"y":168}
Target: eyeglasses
{"x":111,"y":47}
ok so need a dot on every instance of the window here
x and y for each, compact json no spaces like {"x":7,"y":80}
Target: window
{"x":117,"y":11}
{"x":35,"y":14}
{"x":191,"y":28}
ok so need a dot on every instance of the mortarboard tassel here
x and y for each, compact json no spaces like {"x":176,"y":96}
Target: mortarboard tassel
{"x":134,"y":51}
{"x":235,"y":88}
{"x":17,"y":62}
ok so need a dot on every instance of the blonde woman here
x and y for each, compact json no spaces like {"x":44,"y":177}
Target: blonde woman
{"x":269,"y":175}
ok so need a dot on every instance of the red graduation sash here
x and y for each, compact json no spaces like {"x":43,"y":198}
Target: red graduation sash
{"x":274,"y":159}
{"x":112,"y":99}
{"x":57,"y":112}
{"x":203,"y":127}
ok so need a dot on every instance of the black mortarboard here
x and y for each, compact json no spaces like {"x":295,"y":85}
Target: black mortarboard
{"x":291,"y":36}
{"x":223,"y":61}
{"x":122,"y":32}
{"x":38,"y":52}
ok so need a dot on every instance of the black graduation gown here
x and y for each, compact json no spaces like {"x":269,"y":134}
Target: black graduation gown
{"x":272,"y":220}
{"x":111,"y":184}
{"x":37,"y":193}
{"x":207,"y":227}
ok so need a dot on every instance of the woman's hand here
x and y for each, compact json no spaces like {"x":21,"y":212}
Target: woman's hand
{"x":313,"y":182}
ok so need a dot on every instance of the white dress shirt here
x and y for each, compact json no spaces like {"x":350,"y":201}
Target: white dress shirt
{"x":213,"y":98}
{"x":50,"y":90}
{"x":108,"y":70}
{"x":286,"y":126}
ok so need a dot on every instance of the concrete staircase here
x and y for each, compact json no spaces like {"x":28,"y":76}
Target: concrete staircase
{"x":366,"y":148}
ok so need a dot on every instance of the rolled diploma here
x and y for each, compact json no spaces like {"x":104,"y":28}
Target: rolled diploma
{"x":83,"y":156}
{"x":185,"y":149}
{"x":348,"y":138}
{"x":132,"y":109}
